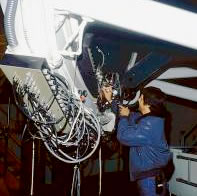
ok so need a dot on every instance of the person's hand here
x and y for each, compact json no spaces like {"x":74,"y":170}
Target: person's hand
{"x":124,"y":111}
{"x":107,"y":93}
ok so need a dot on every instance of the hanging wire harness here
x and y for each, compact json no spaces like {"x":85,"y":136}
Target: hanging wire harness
{"x":80,"y":134}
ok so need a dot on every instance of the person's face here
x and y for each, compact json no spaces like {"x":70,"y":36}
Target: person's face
{"x":142,"y":106}
{"x":141,"y":102}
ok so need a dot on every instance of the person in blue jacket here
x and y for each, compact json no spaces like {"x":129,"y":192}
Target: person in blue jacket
{"x":143,"y":132}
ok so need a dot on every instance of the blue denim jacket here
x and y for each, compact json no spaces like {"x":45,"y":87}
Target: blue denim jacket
{"x":146,"y":139}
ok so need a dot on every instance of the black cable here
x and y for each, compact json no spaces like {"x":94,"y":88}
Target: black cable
{"x":30,"y":117}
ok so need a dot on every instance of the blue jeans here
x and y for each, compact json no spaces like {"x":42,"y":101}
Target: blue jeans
{"x":147,"y":187}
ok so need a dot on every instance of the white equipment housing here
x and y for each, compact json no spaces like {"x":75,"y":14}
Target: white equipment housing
{"x":54,"y":31}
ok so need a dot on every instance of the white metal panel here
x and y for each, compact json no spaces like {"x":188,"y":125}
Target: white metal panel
{"x":172,"y":183}
{"x":3,"y":5}
{"x":186,"y":190}
{"x":193,"y":174}
{"x":175,"y":90}
{"x":179,"y":72}
{"x":141,"y":16}
{"x":182,"y":169}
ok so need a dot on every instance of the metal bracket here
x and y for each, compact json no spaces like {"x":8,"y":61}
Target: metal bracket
{"x":75,"y":33}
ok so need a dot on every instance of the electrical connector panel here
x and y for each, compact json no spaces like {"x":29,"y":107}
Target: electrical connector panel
{"x":68,"y":129}
{"x":27,"y":72}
